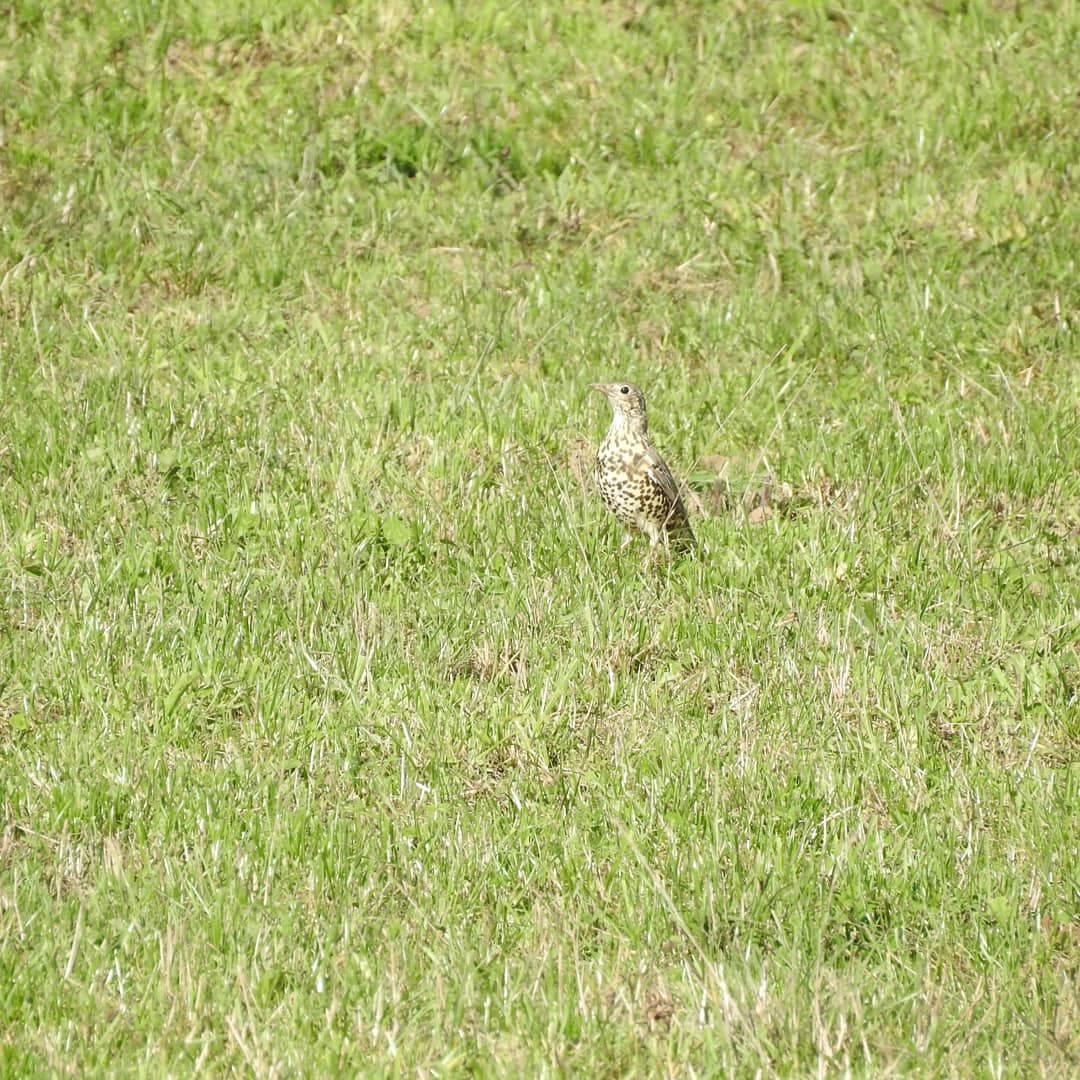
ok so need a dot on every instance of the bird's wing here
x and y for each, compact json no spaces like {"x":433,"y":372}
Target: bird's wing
{"x":656,"y":469}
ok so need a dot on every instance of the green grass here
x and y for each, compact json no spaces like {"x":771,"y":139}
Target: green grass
{"x":336,"y":732}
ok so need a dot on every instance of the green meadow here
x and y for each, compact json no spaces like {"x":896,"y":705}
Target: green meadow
{"x":339,"y":735}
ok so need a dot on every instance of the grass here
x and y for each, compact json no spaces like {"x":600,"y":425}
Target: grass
{"x":338,"y":735}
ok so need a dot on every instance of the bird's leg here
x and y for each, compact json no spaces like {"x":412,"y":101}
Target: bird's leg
{"x":658,"y":554}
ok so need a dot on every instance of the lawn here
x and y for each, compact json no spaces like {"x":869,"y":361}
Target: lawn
{"x":339,"y":735}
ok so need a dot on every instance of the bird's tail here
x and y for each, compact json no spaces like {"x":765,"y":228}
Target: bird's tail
{"x":681,"y":538}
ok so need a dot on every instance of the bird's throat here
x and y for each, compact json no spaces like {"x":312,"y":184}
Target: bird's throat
{"x":626,"y":424}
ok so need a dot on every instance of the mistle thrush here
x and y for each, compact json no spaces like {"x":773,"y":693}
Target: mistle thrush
{"x":634,"y":480}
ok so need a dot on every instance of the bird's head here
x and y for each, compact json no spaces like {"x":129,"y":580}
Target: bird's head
{"x":627,"y":401}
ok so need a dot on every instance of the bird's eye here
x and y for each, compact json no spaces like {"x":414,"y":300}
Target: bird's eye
{"x":624,"y":389}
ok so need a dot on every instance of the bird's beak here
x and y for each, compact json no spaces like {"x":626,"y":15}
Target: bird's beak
{"x":598,"y":386}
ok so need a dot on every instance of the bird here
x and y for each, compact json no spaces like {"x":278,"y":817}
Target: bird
{"x":634,"y":480}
